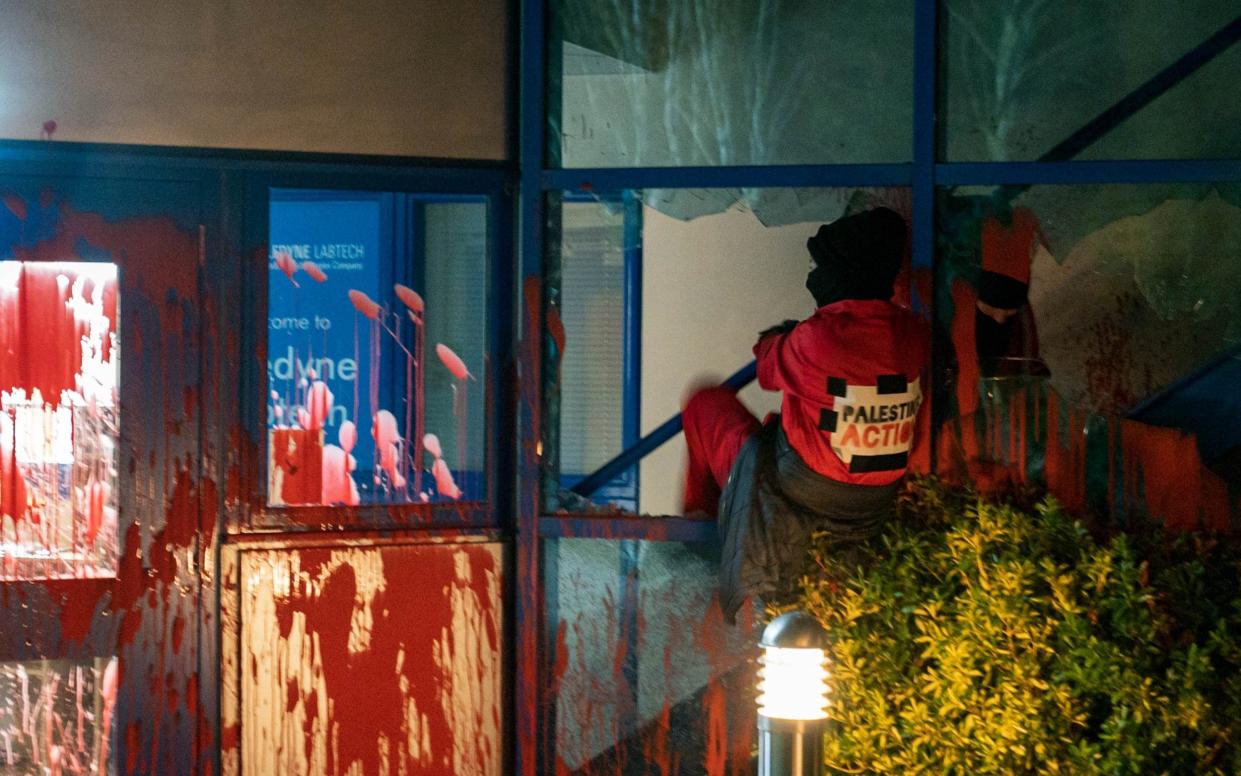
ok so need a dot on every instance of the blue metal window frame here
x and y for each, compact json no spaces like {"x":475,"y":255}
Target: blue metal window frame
{"x":401,"y":232}
{"x":925,"y":175}
{"x":450,"y":182}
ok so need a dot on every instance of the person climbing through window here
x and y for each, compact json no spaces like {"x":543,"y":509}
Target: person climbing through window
{"x":833,"y":458}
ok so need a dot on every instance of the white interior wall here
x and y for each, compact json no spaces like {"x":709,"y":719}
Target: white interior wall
{"x":709,"y":286}
{"x":363,"y":76}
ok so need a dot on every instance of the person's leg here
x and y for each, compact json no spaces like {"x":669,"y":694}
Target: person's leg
{"x":717,"y":425}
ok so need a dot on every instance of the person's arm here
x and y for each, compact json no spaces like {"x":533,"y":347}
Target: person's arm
{"x":764,"y":353}
{"x":778,"y":354}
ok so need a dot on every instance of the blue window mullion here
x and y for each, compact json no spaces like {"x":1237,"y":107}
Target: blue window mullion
{"x":1093,"y":172}
{"x":925,"y":150}
{"x":759,"y":176}
{"x":534,"y":726}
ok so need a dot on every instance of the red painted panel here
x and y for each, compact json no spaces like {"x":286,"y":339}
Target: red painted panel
{"x":372,"y":660}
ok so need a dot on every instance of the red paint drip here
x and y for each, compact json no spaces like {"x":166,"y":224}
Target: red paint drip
{"x":1162,"y":471}
{"x":16,"y":205}
{"x":964,"y":300}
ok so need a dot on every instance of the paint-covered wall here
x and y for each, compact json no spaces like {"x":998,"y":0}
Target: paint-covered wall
{"x":193,"y":645}
{"x":150,"y":713}
{"x":369,"y":77}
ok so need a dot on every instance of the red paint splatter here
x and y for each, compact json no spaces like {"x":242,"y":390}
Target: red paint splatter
{"x":178,"y":633}
{"x":132,"y":738}
{"x":16,"y":205}
{"x":365,"y":685}
{"x":1008,"y":250}
{"x":77,"y":614}
{"x":411,"y":299}
{"x":288,"y":266}
{"x":555,"y":327}
{"x":315,"y":272}
{"x":364,"y":304}
{"x":452,"y":361}
{"x":964,"y":301}
{"x":1162,"y":472}
{"x":299,"y":455}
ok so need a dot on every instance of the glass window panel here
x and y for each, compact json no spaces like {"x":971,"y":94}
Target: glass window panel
{"x":1111,"y":374}
{"x":376,"y":342}
{"x":56,"y":715}
{"x":649,"y":675}
{"x":59,"y":419}
{"x":710,"y":282}
{"x":653,"y":83}
{"x":454,"y":246}
{"x":594,"y":261}
{"x":1023,"y":76}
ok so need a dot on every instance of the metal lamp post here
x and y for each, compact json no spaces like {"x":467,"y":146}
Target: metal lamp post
{"x":792,"y":701}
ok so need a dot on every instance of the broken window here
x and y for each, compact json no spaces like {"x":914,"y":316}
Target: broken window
{"x":709,"y":284}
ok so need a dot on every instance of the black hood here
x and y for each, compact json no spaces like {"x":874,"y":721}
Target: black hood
{"x":857,"y":257}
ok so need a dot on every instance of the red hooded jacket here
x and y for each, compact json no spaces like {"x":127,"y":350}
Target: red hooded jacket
{"x":851,"y":377}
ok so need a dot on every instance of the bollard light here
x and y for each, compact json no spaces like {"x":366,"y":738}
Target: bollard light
{"x":793,"y":696}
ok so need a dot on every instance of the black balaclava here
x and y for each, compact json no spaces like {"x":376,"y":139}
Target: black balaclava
{"x":1001,"y":291}
{"x":856,"y":257}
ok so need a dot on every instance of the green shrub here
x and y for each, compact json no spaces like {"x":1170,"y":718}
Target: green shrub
{"x":980,"y":638}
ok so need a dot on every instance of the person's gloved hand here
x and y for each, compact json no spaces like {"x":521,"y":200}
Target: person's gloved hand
{"x":780,"y":328}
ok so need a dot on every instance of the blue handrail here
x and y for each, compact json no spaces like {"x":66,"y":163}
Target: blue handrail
{"x":653,"y":440}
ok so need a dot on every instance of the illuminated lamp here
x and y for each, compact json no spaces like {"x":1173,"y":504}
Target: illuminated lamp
{"x":792,"y":700}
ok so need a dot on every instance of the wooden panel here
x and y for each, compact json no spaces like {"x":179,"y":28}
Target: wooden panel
{"x":371,"y":660}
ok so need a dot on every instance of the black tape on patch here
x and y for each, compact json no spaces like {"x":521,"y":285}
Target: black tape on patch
{"x":827,"y":420}
{"x":891,"y":384}
{"x":860,"y":464}
{"x":837,"y":386}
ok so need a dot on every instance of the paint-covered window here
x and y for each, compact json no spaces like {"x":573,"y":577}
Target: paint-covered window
{"x":1092,"y":341}
{"x":59,"y":419}
{"x":646,"y":669}
{"x":56,"y":715}
{"x":376,"y":343}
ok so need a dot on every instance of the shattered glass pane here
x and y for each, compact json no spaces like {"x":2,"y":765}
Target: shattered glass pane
{"x":377,"y":323}
{"x":659,"y":83}
{"x":1024,"y":75}
{"x":709,"y":284}
{"x":56,"y":716}
{"x":1111,"y":374}
{"x":59,"y":421}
